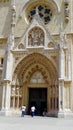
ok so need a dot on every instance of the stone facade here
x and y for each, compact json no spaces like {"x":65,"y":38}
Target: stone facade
{"x":36,"y":50}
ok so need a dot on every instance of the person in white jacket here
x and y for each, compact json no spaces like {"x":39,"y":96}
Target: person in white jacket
{"x":23,"y":111}
{"x":32,"y":111}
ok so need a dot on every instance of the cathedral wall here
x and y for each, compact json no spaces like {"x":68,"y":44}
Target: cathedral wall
{"x":53,"y":26}
{"x":4,"y":18}
{"x":2,"y":52}
{"x":2,"y":47}
{"x":72,"y":17}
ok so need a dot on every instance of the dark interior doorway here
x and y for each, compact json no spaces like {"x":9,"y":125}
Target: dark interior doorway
{"x":38,"y":98}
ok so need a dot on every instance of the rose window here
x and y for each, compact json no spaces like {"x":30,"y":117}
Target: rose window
{"x":44,"y":12}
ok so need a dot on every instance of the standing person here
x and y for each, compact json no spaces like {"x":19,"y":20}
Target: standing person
{"x":23,"y":111}
{"x":32,"y":111}
{"x":45,"y":112}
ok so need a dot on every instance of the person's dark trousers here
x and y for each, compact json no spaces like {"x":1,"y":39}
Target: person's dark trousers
{"x":32,"y":114}
{"x":23,"y":113}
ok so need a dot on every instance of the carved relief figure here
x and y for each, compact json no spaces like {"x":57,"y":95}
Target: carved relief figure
{"x":36,"y":37}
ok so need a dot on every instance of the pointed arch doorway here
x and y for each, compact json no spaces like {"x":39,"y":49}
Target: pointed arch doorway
{"x":37,"y":92}
{"x":38,"y":83}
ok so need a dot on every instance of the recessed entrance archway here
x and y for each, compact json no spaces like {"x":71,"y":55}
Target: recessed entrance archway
{"x":36,"y":73}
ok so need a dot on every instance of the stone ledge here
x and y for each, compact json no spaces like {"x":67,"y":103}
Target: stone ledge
{"x":65,"y":114}
{"x":10,"y":112}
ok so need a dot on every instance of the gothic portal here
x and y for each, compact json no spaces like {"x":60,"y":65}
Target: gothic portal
{"x":36,"y":64}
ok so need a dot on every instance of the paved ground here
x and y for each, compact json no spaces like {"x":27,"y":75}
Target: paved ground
{"x":35,"y":123}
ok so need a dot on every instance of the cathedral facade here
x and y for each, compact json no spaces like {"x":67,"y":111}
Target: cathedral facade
{"x":36,"y":57}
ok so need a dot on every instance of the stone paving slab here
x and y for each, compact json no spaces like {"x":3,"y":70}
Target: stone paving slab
{"x":35,"y":123}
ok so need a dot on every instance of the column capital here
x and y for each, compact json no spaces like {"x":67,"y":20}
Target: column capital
{"x":5,"y":81}
{"x":61,"y":79}
{"x":65,"y":80}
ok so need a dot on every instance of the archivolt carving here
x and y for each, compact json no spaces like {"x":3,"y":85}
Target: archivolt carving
{"x":36,"y":68}
{"x":35,"y":62}
{"x":34,"y":58}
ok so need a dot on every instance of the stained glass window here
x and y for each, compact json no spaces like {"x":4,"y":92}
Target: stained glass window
{"x":40,"y":7}
{"x":44,"y":12}
{"x":32,"y":12}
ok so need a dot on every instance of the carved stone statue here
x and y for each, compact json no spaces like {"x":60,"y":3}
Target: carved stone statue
{"x":36,"y":37}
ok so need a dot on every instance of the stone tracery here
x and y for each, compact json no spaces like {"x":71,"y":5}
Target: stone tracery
{"x":44,"y":11}
{"x":30,"y":61}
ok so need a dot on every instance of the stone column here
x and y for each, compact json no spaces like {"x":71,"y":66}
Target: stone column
{"x":3,"y":98}
{"x":64,"y":110}
{"x":69,"y":66}
{"x":6,"y":97}
{"x":8,"y":64}
{"x":61,"y":98}
{"x":61,"y":82}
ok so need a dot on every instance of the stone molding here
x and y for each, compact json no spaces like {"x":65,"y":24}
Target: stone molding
{"x":4,"y":1}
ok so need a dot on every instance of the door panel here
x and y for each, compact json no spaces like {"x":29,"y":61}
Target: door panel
{"x":38,"y":98}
